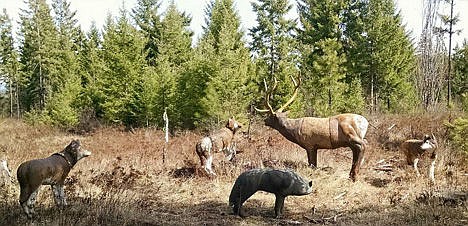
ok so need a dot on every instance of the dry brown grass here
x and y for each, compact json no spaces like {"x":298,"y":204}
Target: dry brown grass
{"x":125,"y":182}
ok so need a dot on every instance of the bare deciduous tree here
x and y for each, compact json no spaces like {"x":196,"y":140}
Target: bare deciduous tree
{"x":430,"y":72}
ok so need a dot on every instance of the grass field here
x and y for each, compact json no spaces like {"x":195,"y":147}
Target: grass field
{"x":126,"y":182}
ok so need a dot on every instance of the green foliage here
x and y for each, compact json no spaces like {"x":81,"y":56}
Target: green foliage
{"x":274,"y":49}
{"x":61,"y":105}
{"x":384,"y":57}
{"x":227,"y":91}
{"x":121,"y":83}
{"x":146,"y":17}
{"x":460,"y":75}
{"x":459,"y":133}
{"x":144,"y":63}
{"x":50,"y":67}
{"x":191,"y":90}
{"x":92,"y":66}
{"x":175,"y":53}
{"x":323,"y":62}
{"x":9,"y":65}
{"x":38,"y":55}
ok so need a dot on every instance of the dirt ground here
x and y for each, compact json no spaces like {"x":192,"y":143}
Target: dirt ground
{"x":133,"y":178}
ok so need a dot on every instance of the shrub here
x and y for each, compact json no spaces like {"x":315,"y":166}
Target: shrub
{"x":459,"y":133}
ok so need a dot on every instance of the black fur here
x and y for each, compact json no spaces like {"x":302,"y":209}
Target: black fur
{"x":282,"y":183}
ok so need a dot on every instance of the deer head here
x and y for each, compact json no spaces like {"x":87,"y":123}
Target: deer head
{"x":233,"y":125}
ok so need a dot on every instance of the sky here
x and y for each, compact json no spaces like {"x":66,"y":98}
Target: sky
{"x":97,"y":10}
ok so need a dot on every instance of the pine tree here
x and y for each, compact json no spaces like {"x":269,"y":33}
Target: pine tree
{"x":175,"y":52}
{"x":392,"y":61}
{"x":191,"y":90}
{"x":274,"y":48}
{"x":148,"y":20}
{"x":460,"y":75}
{"x":323,"y":63}
{"x":38,"y":56}
{"x":380,"y":54}
{"x":229,"y":62}
{"x":61,"y":107}
{"x":121,"y":84}
{"x":9,"y":65}
{"x":92,"y":66}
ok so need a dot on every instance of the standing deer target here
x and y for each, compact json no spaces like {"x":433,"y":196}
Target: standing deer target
{"x":311,"y":133}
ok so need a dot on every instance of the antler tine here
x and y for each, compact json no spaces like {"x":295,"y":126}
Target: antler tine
{"x":274,"y":85}
{"x":296,"y":88}
{"x":267,"y":98}
{"x":261,"y":110}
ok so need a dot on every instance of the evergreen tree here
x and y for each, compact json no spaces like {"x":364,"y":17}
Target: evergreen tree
{"x":222,"y":43}
{"x":9,"y":65}
{"x":175,"y":52}
{"x":391,"y":61}
{"x":369,"y":46}
{"x":121,"y":84}
{"x":323,"y":63}
{"x":274,"y":48}
{"x":460,"y":75}
{"x":38,"y":56}
{"x":61,"y":108}
{"x":192,"y":89}
{"x":92,"y":67}
{"x":146,"y":17}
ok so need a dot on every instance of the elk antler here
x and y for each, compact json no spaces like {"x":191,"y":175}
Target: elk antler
{"x":267,"y":97}
{"x":296,"y":87}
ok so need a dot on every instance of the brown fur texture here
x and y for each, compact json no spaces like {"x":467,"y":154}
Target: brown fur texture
{"x":344,"y":130}
{"x":221,"y":140}
{"x":415,"y":149}
{"x":48,"y":171}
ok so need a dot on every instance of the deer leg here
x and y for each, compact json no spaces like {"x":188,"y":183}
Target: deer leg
{"x":312,"y":157}
{"x":209,"y":164}
{"x":415,"y":166}
{"x":432,"y":168}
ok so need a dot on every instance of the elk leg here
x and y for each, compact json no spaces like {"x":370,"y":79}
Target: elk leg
{"x":358,"y":159}
{"x":312,"y":157}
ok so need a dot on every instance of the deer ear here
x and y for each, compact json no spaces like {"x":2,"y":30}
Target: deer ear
{"x":230,"y":123}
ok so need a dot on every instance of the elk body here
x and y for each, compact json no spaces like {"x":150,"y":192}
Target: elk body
{"x":343,"y":130}
{"x":415,"y":149}
{"x":219,"y":141}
